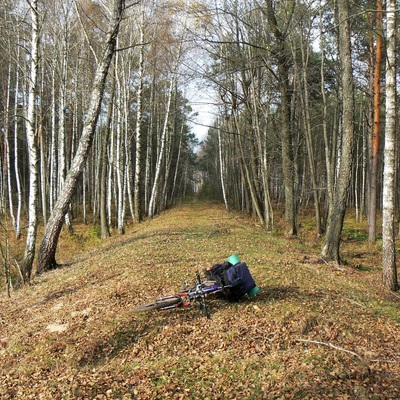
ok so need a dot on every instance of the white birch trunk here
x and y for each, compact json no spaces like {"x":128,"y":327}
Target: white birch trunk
{"x":138,"y":132}
{"x":43,"y":169}
{"x":62,"y":162}
{"x":29,"y":255}
{"x":156,"y":183}
{"x":128,"y":196}
{"x":53,"y":152}
{"x":7,"y":147}
{"x":48,"y":246}
{"x":119,"y":163}
{"x":149,"y":150}
{"x":16,"y":156}
{"x":109,"y":193}
{"x":222,"y":170}
{"x":84,"y":193}
{"x":111,"y":170}
{"x":389,"y":271}
{"x":168,"y":156}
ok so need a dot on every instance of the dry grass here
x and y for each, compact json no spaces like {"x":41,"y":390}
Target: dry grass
{"x":314,"y":331}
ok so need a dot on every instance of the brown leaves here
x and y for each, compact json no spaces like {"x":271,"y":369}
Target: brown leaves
{"x":247,"y":350}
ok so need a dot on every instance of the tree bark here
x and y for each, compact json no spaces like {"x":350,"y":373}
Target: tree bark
{"x":119,"y":151}
{"x":29,"y":255}
{"x":138,"y":160}
{"x":376,"y":126}
{"x":7,"y":163}
{"x":48,"y":245}
{"x":62,"y":160}
{"x":16,"y":156}
{"x":308,"y":131}
{"x":104,"y":226}
{"x":331,"y":246}
{"x":286,"y":131}
{"x":389,"y":271}
{"x":156,"y":183}
{"x":222,"y":170}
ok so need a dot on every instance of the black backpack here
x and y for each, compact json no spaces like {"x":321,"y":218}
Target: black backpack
{"x":235,"y":279}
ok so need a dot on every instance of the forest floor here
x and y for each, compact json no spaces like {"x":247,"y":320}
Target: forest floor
{"x":314,"y":331}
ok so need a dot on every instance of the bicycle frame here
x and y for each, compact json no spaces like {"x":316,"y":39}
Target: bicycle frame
{"x":185,"y":297}
{"x":198,"y":292}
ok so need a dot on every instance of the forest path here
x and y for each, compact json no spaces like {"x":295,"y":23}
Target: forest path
{"x":313,"y":331}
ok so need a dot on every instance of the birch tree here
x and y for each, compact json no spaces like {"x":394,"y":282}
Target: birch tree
{"x":388,"y":231}
{"x":7,"y":150}
{"x":160,"y":159}
{"x":222,"y":170}
{"x":138,"y":130}
{"x":29,"y":255}
{"x":62,"y":108}
{"x":104,"y":225}
{"x":16,"y":155}
{"x":48,"y":245}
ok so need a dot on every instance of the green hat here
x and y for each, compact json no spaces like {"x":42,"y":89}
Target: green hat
{"x":233,"y":259}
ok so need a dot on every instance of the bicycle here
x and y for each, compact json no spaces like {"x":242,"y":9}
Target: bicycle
{"x":184,"y":298}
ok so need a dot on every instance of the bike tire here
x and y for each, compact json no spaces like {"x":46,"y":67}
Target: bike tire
{"x":156,"y":305}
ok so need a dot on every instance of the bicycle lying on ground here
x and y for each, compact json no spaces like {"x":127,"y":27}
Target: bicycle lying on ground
{"x":184,"y":298}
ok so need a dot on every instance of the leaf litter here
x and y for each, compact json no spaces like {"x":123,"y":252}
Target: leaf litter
{"x":312,"y":332}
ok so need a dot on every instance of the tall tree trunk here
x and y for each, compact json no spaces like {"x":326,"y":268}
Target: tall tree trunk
{"x":7,"y":162}
{"x":29,"y":255}
{"x":262,"y":154}
{"x":53,"y":146}
{"x":48,"y":245}
{"x":389,"y":270}
{"x":287,"y":154}
{"x":119,"y":155}
{"x":149,"y":147}
{"x":308,"y":130}
{"x":16,"y":156}
{"x":222,"y":170}
{"x":331,"y":246}
{"x":138,"y":133}
{"x":43,"y":148}
{"x":281,"y":53}
{"x":62,"y":160}
{"x":157,"y":177}
{"x":330,"y":171}
{"x":104,"y":226}
{"x":249,"y":182}
{"x":177,"y":165}
{"x":376,"y":126}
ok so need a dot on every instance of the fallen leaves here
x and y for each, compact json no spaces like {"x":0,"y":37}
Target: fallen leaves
{"x":72,"y":334}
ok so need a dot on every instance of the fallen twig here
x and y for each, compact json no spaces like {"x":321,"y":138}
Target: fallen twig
{"x":395,"y":295}
{"x":385,"y":361}
{"x":357,"y":303}
{"x":332,"y":346}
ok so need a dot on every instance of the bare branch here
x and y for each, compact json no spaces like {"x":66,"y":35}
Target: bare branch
{"x":332,"y":346}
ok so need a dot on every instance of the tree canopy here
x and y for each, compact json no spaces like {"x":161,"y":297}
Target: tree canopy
{"x":294,"y":86}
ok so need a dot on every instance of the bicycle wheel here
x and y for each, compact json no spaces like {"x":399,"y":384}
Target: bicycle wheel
{"x":156,"y":305}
